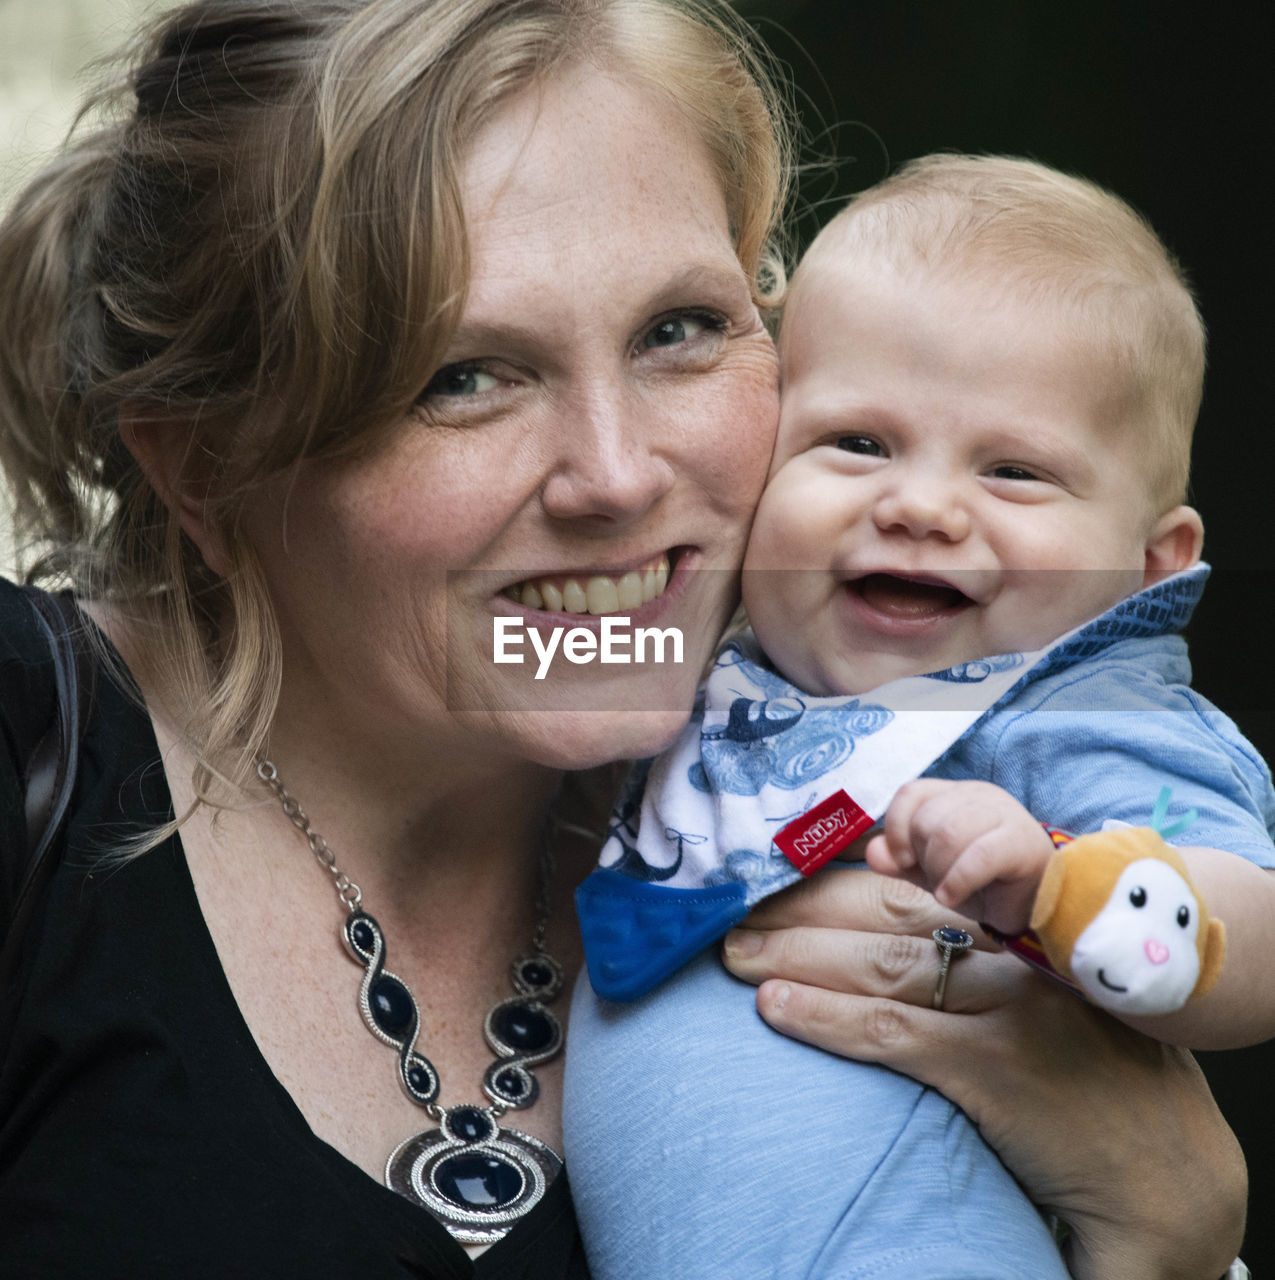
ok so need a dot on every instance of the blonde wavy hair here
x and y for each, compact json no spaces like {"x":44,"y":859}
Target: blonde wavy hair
{"x":262,"y":249}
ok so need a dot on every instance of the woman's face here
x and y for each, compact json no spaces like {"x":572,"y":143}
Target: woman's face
{"x":609,"y":400}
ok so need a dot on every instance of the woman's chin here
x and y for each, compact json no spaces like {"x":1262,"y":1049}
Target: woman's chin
{"x":582,"y":717}
{"x":584,"y":739}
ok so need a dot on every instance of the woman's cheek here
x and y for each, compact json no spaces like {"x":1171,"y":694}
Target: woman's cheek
{"x":745,"y":424}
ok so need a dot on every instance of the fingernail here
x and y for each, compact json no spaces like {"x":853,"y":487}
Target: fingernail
{"x":779,"y":998}
{"x":742,"y":944}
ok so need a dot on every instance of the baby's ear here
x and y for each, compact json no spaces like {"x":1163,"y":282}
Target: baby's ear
{"x":1173,"y":544}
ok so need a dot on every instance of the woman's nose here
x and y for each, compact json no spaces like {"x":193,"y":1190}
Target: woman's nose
{"x":607,"y":464}
{"x":922,"y":505}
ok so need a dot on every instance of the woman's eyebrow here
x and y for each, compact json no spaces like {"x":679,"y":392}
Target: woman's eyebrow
{"x":723,"y":284}
{"x":718,"y":280}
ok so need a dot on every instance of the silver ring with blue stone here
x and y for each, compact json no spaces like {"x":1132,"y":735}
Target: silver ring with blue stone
{"x":952,"y":943}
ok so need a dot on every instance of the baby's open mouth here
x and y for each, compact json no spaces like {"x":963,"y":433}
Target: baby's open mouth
{"x":900,"y":597}
{"x":594,"y":593}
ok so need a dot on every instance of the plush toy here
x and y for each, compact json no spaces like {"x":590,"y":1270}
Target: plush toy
{"x":1116,"y":913}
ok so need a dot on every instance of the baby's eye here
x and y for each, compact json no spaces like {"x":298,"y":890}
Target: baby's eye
{"x":673,"y":330}
{"x":860,"y":444}
{"x":464,"y":379}
{"x":1010,"y":472}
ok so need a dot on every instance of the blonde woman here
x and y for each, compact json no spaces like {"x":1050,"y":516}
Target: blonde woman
{"x":355,"y":327}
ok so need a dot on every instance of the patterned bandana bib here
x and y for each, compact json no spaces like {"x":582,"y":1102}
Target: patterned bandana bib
{"x":768,"y":783}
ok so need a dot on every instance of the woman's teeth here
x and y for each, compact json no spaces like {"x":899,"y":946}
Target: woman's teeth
{"x":596,"y":595}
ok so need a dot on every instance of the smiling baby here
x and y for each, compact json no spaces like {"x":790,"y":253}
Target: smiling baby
{"x":965,"y":582}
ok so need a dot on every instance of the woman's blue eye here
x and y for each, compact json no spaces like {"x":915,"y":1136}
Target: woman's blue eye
{"x":458,"y":380}
{"x":674,"y":330}
{"x":860,"y":444}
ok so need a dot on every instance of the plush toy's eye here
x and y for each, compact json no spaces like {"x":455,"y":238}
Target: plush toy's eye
{"x":1184,"y":916}
{"x":1138,"y":897}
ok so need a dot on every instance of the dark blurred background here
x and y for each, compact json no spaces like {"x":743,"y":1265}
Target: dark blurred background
{"x":1170,"y":104}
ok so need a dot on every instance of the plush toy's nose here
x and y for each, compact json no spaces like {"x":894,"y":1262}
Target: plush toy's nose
{"x":1157,"y":952}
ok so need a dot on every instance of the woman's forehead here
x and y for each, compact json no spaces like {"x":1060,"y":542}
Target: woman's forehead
{"x":589,"y":182}
{"x":551,"y":131}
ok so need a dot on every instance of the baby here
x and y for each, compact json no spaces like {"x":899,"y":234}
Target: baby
{"x":970,"y":563}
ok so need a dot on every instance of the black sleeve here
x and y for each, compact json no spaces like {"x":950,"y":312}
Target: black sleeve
{"x":28,"y":699}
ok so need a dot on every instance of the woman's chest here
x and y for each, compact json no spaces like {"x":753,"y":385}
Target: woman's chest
{"x":300,"y":991}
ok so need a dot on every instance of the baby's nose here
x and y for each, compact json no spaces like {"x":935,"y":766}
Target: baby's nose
{"x":922,"y":506}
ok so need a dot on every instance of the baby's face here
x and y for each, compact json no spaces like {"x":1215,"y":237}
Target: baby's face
{"x":953,"y":478}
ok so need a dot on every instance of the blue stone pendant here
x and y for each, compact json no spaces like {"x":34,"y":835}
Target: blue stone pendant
{"x":476,"y":1178}
{"x":473,"y":1176}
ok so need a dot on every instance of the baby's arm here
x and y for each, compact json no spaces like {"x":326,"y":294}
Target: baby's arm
{"x":970,"y":843}
{"x":1240,"y":1009}
{"x":980,"y":852}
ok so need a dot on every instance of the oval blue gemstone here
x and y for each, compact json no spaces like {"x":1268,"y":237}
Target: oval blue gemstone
{"x":523,"y":1028}
{"x":362,"y":934}
{"x":511,"y":1084}
{"x":953,"y":937}
{"x":392,"y":1007}
{"x":470,"y":1124}
{"x":478,"y":1181}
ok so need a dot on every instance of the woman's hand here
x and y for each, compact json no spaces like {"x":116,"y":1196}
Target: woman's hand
{"x":1115,"y":1133}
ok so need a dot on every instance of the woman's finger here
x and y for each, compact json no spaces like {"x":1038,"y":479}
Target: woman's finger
{"x":856,"y":898}
{"x":851,"y":897}
{"x":898,"y":967}
{"x":915,"y":1040}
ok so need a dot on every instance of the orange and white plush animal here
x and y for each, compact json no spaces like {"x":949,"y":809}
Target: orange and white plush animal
{"x":1117,"y":914}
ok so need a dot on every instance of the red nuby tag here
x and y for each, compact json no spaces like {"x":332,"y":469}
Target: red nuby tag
{"x":811,"y":840}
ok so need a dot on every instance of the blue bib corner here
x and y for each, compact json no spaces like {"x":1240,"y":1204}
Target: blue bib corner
{"x":637,"y":934}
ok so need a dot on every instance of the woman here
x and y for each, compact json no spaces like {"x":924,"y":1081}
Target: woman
{"x":361,"y":321}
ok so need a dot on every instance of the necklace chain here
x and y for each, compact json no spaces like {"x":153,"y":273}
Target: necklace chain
{"x":349,"y":892}
{"x":352,"y":896}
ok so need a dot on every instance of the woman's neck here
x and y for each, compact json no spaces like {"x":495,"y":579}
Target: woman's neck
{"x":428,"y":830}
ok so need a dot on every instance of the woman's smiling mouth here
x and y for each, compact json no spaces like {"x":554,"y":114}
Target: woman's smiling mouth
{"x":594,"y":594}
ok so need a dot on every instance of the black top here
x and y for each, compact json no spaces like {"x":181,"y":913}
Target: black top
{"x":142,"y":1134}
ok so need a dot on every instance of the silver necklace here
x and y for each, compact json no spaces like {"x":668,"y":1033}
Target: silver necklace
{"x":475,"y":1176}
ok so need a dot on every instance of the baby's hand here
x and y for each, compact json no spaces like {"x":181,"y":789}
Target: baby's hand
{"x":970,"y":843}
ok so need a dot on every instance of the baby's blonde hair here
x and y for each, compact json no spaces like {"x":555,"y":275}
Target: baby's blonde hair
{"x":1063,"y":242}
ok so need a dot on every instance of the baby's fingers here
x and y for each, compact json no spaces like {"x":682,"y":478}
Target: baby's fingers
{"x":904,"y":829}
{"x":981,"y":862}
{"x":886,"y":859}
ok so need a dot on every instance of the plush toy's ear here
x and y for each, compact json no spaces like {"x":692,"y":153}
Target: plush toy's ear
{"x":1049,"y":891}
{"x":1214,"y":955}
